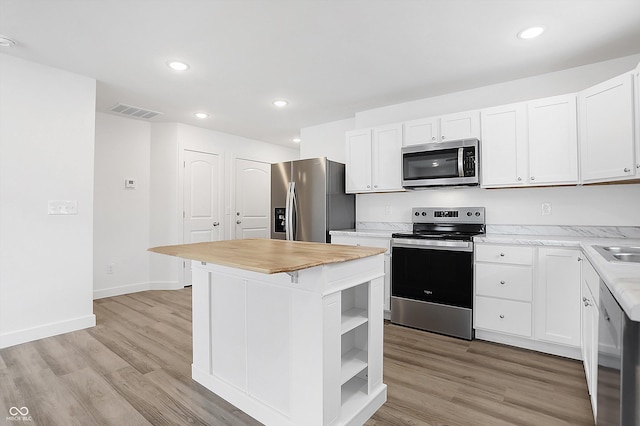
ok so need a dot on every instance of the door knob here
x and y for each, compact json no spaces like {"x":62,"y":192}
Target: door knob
{"x":627,"y":170}
{"x":216,"y":223}
{"x":238,"y":221}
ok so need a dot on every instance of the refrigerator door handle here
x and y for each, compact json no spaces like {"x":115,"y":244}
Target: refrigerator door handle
{"x":294,"y":212}
{"x":287,"y":214}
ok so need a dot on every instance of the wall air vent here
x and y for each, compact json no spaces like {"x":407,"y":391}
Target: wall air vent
{"x":135,"y":112}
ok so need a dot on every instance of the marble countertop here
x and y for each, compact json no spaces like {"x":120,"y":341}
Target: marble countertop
{"x":622,"y":279}
{"x":363,"y":233}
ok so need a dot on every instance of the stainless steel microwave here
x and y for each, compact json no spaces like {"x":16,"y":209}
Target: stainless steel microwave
{"x":453,"y":163}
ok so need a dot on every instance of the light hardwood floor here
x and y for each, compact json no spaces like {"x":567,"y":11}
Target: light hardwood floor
{"x":133,"y":368}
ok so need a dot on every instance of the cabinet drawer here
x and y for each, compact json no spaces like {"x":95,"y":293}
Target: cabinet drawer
{"x":504,"y":281}
{"x":381,"y":242}
{"x":504,"y":316}
{"x":516,"y":255}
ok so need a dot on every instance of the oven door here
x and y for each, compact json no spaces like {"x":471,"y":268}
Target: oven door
{"x":433,"y":271}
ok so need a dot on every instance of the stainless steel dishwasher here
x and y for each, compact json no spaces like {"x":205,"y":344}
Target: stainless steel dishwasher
{"x":618,"y":364}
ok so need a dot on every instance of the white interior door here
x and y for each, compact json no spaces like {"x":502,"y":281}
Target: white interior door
{"x":252,"y":195}
{"x":201,"y":201}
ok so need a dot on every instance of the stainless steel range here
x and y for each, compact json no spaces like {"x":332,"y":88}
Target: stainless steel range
{"x":432,"y":270}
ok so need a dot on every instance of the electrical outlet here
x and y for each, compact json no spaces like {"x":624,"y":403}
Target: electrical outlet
{"x":387,"y":211}
{"x":546,"y":209}
{"x":110,"y":268}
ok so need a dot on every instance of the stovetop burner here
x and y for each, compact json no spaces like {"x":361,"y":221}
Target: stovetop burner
{"x":447,"y":223}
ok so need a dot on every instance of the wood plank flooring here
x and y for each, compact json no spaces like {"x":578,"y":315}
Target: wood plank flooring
{"x":134,"y":368}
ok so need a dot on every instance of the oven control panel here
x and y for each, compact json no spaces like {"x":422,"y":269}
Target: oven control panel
{"x":448,"y":214}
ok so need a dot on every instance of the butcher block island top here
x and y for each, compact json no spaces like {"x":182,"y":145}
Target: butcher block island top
{"x":268,"y":256}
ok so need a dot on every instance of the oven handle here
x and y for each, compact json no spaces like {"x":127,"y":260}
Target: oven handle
{"x":433,"y":244}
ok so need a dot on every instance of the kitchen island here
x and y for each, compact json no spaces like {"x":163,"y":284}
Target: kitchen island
{"x":289,"y":332}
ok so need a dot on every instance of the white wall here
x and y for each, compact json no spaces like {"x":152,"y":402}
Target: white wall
{"x":47,"y":119}
{"x":128,"y":222}
{"x":121,"y":219}
{"x":326,"y":140}
{"x":606,"y":205}
{"x":603,"y":205}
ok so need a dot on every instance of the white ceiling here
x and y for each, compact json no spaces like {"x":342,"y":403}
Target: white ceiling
{"x":328,"y":58}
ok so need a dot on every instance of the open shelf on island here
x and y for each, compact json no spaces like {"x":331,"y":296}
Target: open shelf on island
{"x":353,"y":362}
{"x":354,"y":394}
{"x":353,"y":318}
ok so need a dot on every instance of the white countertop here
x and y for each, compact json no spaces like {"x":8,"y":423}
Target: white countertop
{"x":622,"y":279}
{"x":363,"y":233}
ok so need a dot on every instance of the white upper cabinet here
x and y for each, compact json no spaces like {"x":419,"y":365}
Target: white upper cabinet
{"x":503,"y":159}
{"x":358,"y":167}
{"x":374,"y":161}
{"x":530,"y":143}
{"x":553,"y":141}
{"x":424,"y":130}
{"x":463,"y":125}
{"x":607,"y":131}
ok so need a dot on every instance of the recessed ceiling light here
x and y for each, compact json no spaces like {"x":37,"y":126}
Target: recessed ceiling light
{"x":531,"y":32}
{"x":280,"y":103}
{"x":201,"y":114}
{"x":297,"y":140}
{"x":178,"y":66}
{"x":6,"y":42}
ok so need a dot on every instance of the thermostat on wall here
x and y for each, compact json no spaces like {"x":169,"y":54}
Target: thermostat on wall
{"x":130,"y":183}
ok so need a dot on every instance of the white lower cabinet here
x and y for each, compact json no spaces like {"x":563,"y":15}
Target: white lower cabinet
{"x":503,"y":282}
{"x":382,"y":242}
{"x":504,"y":316}
{"x":557,"y":296}
{"x":528,"y":296}
{"x":590,"y":312}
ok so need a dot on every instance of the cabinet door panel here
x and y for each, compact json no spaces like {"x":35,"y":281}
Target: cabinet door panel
{"x":358,"y":167}
{"x":557,"y":296}
{"x":553,"y":142}
{"x":503,"y":146}
{"x":417,"y":132}
{"x":606,"y":130}
{"x":387,"y":158}
{"x":463,"y":125}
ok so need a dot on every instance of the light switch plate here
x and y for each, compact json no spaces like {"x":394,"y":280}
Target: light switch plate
{"x":62,"y":207}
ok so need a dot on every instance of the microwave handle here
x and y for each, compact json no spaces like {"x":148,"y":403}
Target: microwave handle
{"x":460,"y":162}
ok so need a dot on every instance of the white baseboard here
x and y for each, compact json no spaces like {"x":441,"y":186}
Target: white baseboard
{"x":46,"y":330}
{"x":166,"y":285}
{"x":534,"y":345}
{"x":134,"y":288}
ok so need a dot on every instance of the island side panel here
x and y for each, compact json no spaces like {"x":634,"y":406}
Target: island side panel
{"x":292,"y":340}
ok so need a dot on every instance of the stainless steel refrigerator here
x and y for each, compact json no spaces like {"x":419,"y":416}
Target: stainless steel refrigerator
{"x":308,"y":200}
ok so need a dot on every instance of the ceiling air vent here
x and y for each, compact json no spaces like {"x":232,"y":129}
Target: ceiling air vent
{"x":131,"y":111}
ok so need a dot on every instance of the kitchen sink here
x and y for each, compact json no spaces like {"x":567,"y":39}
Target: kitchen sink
{"x":627,"y":257}
{"x":619,"y":253}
